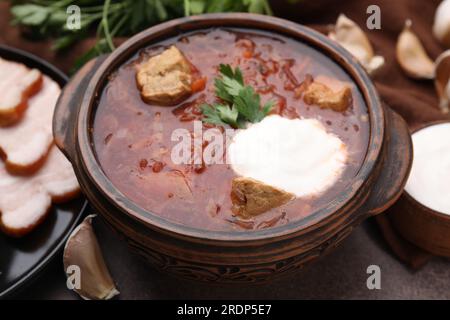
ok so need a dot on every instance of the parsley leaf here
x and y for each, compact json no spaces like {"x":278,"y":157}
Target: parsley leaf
{"x":243,"y":104}
{"x":220,"y":114}
{"x":227,"y":71}
{"x":230,"y":84}
{"x":211,"y":115}
{"x":248,"y":104}
{"x":228,"y":115}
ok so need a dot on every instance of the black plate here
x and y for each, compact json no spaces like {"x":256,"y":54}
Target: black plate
{"x":21,"y":260}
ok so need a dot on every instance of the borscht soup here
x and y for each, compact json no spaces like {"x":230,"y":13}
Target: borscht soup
{"x":231,"y":129}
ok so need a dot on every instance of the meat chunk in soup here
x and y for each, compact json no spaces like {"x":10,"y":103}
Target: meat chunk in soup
{"x":165,"y":78}
{"x":322,"y":95}
{"x":251,"y":197}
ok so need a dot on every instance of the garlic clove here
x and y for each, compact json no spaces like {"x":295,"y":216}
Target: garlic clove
{"x":374,"y":64}
{"x":83,"y":251}
{"x":412,"y":56}
{"x":350,"y":36}
{"x":441,"y":26}
{"x":442,"y":80}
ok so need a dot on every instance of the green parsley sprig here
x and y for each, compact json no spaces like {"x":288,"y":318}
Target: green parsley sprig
{"x":241,"y":104}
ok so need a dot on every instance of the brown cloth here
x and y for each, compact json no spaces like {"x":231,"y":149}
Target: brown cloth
{"x":415,"y":100}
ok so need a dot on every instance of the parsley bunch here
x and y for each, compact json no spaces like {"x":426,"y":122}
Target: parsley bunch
{"x":114,"y":18}
{"x":241,"y":104}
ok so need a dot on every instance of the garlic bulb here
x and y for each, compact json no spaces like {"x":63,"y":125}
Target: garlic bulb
{"x":412,"y":56}
{"x":349,"y":35}
{"x":83,"y":252}
{"x":442,"y":80}
{"x":441,"y":26}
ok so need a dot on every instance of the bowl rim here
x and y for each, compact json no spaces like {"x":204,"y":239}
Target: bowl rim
{"x":249,"y":21}
{"x":423,"y":208}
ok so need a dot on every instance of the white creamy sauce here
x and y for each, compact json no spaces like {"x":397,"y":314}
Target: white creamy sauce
{"x":295,"y":155}
{"x":429,"y":181}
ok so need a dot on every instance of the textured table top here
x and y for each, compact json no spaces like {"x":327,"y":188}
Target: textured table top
{"x":340,"y":275}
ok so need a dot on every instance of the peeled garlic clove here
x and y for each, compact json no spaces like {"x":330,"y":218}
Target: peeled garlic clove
{"x":375,"y":63}
{"x":412,"y":56}
{"x":442,"y":80}
{"x":83,"y":251}
{"x":441,"y":26}
{"x":349,"y":35}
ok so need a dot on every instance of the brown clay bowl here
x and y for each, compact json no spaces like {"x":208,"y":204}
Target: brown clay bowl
{"x":422,"y":226}
{"x":232,"y":257}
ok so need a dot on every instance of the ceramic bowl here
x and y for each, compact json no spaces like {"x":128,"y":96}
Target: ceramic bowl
{"x":234,"y":257}
{"x":424,"y":227}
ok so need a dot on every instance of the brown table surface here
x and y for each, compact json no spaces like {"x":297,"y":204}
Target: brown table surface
{"x":340,"y":275}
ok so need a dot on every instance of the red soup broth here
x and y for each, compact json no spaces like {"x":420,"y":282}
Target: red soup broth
{"x":133,"y":143}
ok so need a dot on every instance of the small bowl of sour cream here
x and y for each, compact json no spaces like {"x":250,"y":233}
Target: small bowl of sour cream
{"x":422,"y":215}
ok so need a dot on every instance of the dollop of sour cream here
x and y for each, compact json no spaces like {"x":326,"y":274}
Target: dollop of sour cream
{"x":429,"y":180}
{"x":295,"y":155}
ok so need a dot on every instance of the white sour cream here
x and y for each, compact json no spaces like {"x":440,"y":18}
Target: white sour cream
{"x":429,"y":181}
{"x":295,"y":155}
